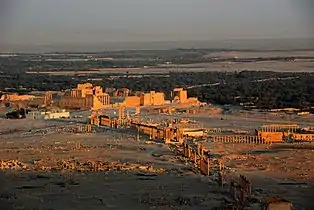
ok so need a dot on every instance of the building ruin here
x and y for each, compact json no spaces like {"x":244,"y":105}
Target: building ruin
{"x":180,"y":96}
{"x":85,"y":96}
{"x":152,"y":98}
{"x":16,"y":97}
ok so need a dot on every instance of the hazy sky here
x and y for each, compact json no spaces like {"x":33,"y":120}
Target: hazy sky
{"x":93,"y":21}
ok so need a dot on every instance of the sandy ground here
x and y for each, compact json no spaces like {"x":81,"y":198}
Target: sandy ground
{"x":246,"y":120}
{"x":145,"y":175}
{"x":107,"y":191}
{"x":284,"y":170}
{"x":169,"y":183}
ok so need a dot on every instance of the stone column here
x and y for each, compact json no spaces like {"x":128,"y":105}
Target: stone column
{"x":202,"y":151}
{"x":242,"y":196}
{"x":208,"y":167}
{"x":201,"y":165}
{"x":220,"y":179}
{"x":233,"y":190}
{"x":248,"y":188}
{"x":198,"y":149}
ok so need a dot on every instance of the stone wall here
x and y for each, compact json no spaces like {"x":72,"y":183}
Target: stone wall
{"x":132,"y":101}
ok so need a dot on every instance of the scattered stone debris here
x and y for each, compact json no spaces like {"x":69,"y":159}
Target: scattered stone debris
{"x":75,"y":165}
{"x":170,"y":201}
{"x":42,"y":131}
{"x":12,"y":165}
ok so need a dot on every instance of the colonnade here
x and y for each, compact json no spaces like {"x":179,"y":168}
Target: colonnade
{"x":238,"y":139}
{"x":87,"y":128}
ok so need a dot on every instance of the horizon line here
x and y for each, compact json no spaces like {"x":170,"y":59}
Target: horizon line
{"x":118,"y":46}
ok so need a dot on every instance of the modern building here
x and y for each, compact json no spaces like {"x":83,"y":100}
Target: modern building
{"x":44,"y":115}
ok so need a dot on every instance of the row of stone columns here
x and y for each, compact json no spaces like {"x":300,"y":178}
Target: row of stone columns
{"x":204,"y":165}
{"x":309,"y":137}
{"x":269,"y":129}
{"x":88,"y":128}
{"x":238,"y":139}
{"x":200,"y":150}
{"x":203,"y":162}
{"x":278,"y":128}
{"x":155,"y":133}
{"x":95,"y":121}
{"x":244,"y":191}
{"x":245,"y":184}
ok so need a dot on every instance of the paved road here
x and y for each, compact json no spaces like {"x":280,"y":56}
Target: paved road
{"x":253,"y":81}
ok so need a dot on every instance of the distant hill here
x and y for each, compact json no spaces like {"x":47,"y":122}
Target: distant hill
{"x":252,"y":44}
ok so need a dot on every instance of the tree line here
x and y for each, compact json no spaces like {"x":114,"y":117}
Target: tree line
{"x":263,"y":89}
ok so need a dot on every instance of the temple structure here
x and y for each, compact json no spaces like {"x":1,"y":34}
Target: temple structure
{"x":85,"y":96}
{"x":180,"y":96}
{"x":151,"y":98}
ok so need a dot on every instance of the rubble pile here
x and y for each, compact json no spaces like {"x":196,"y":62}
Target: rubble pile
{"x":75,"y":165}
{"x":94,"y":166}
{"x":152,"y":199}
{"x":12,"y":165}
{"x":50,"y":130}
{"x":103,"y":166}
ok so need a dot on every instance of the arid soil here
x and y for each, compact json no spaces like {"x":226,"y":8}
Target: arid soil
{"x":285,"y":170}
{"x":48,"y":165}
{"x":105,"y":190}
